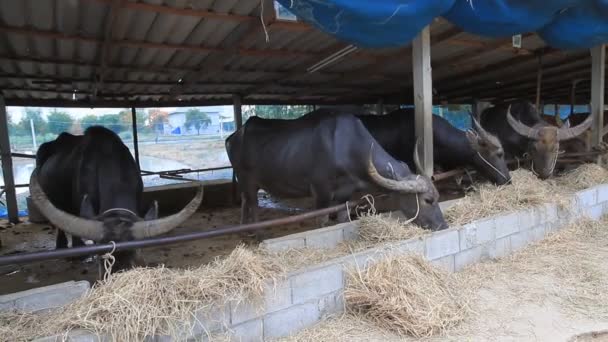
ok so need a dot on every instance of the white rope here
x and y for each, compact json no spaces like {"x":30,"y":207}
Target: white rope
{"x":492,"y":166}
{"x":118,"y":209}
{"x":262,"y":20}
{"x":552,"y":166}
{"x":417,"y":211}
{"x":108,"y":262}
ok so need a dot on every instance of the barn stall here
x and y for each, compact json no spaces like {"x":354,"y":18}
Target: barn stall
{"x":204,"y":54}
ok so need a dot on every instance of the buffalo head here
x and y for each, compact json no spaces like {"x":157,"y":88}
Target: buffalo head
{"x":490,"y":156}
{"x":414,"y":195}
{"x":545,"y":139}
{"x":112,"y":225}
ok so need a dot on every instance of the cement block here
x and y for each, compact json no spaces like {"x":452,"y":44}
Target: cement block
{"x":506,"y":224}
{"x":251,"y":331}
{"x":245,"y":311}
{"x":538,"y":233}
{"x":290,"y":320}
{"x":548,"y":213}
{"x":477,"y":233}
{"x":442,"y":243}
{"x":520,"y":240}
{"x":446,"y":263}
{"x":283,"y":244}
{"x":602,"y":193}
{"x":325,"y":239}
{"x":595,"y":212}
{"x":411,"y":246}
{"x":277,"y":296}
{"x":44,"y":298}
{"x":331,"y":304}
{"x":208,"y":320}
{"x":528,"y":219}
{"x":500,"y":248}
{"x":350,"y":231}
{"x":587,"y":198}
{"x":314,"y":283}
{"x":469,"y":256}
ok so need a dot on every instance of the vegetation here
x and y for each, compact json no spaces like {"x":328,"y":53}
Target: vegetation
{"x":59,"y":122}
{"x":276,"y":112}
{"x":197,"y":119}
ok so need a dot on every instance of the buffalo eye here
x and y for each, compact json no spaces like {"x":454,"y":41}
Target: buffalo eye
{"x":500,"y":154}
{"x":429,"y":201}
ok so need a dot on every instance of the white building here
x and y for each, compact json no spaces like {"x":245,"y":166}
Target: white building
{"x":222,"y":121}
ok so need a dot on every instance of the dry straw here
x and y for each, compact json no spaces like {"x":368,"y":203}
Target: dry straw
{"x":151,"y":301}
{"x":406,"y":295}
{"x":583,"y":177}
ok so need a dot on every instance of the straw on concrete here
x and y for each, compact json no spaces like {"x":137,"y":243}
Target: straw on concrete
{"x":377,"y":229}
{"x":583,"y":177}
{"x":151,"y":301}
{"x":406,"y":295}
{"x":526,"y":190}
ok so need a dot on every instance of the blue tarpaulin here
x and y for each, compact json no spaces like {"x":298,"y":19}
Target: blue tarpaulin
{"x":565,"y":24}
{"x":372,"y":24}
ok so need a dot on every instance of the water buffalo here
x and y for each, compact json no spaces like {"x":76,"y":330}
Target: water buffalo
{"x":328,"y":157}
{"x":522,"y":131}
{"x":90,"y":187}
{"x":452,"y":148}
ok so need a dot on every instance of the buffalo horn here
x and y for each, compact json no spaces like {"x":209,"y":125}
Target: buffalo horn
{"x":148,"y":229}
{"x":521,"y":128}
{"x":411,"y":184}
{"x":566,"y":133}
{"x":480,"y":130}
{"x":78,"y":226}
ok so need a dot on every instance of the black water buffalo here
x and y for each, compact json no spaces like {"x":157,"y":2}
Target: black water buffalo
{"x":90,"y":187}
{"x":326,"y":156}
{"x":522,"y":132}
{"x":452,"y":148}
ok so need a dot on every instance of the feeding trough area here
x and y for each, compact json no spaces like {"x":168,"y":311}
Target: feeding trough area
{"x":260,"y":170}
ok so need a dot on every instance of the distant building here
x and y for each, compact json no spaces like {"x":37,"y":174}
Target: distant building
{"x":222,"y":121}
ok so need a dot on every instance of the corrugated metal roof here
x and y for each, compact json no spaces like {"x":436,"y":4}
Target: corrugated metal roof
{"x":129,"y":52}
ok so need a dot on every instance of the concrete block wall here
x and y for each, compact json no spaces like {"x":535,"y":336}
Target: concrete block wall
{"x":305,"y":296}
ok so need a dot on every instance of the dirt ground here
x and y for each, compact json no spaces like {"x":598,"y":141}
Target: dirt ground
{"x":552,"y":291}
{"x":29,"y":237}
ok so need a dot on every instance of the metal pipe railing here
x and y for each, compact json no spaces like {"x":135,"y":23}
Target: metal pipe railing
{"x":24,"y":258}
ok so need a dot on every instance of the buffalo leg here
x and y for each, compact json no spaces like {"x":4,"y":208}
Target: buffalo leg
{"x":62,"y":239}
{"x":322,"y":200}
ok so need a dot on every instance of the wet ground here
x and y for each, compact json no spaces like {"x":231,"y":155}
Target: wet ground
{"x":31,"y":237}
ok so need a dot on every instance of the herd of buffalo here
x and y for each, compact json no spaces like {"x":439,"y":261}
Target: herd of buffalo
{"x":90,"y":187}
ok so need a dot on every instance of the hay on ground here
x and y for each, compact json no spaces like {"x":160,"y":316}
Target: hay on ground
{"x":406,"y":295}
{"x":150,"y":301}
{"x":377,"y":229}
{"x":525,"y":191}
{"x":583,"y":177}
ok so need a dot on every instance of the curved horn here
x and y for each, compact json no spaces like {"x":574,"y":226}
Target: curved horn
{"x":566,"y":133}
{"x":412,"y":184}
{"x":88,"y":229}
{"x":419,"y":168}
{"x":485,"y":135}
{"x":147,"y":229}
{"x":521,"y":128}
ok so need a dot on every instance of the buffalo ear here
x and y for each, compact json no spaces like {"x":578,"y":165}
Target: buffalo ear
{"x":86,"y":208}
{"x":474,"y":139}
{"x":152,"y":213}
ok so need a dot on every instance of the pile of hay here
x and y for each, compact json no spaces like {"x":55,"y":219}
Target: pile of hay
{"x":406,"y":295}
{"x":376,"y":229}
{"x":150,"y":301}
{"x":583,"y":177}
{"x":343,"y":328}
{"x":526,"y":190}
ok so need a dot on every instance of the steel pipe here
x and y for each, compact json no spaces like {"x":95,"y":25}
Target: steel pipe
{"x":24,"y":258}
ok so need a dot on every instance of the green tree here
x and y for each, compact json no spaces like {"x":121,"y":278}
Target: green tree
{"x":59,"y":122}
{"x":126,"y":117}
{"x":88,"y":121}
{"x":280,"y":112}
{"x":34,"y":115}
{"x":197,"y":119}
{"x":112,"y":121}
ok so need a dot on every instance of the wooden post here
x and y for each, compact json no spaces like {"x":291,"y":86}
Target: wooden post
{"x":7,"y":166}
{"x":238,"y":121}
{"x":423,"y":99}
{"x":539,"y":80}
{"x":598,"y":71}
{"x":238,"y":111}
{"x":135,"y":138}
{"x":380,"y":107}
{"x":573,"y":96}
